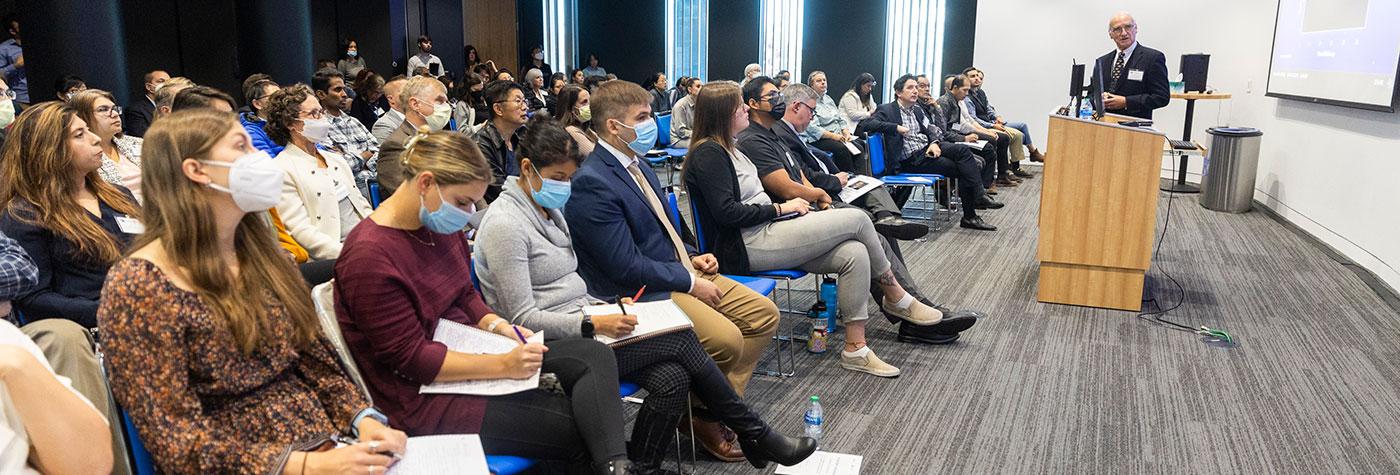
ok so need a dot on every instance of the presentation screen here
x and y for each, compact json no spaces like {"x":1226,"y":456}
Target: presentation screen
{"x":1342,"y":52}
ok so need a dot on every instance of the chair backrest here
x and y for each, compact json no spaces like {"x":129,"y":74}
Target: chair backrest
{"x":374,"y":194}
{"x":699,"y":233}
{"x":674,"y":209}
{"x":877,"y":154}
{"x":141,"y":461}
{"x":663,"y":130}
{"x":324,"y":298}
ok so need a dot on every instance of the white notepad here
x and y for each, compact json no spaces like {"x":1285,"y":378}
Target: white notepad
{"x":465,"y":339}
{"x":824,"y":463}
{"x":435,"y":454}
{"x":857,"y":186}
{"x":976,"y":145}
{"x":653,"y":318}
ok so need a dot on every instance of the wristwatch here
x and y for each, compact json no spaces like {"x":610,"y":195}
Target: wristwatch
{"x":371,"y":413}
{"x":587,"y":327}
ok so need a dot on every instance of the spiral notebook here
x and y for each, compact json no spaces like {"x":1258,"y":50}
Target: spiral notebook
{"x":653,"y":318}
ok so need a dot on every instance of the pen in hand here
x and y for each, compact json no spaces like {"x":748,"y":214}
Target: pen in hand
{"x":519,"y":335}
{"x":619,"y":305}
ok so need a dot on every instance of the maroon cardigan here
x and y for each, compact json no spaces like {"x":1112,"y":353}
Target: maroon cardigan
{"x":391,"y":288}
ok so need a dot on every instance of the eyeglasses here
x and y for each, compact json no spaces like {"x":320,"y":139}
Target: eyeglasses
{"x":106,"y":110}
{"x":313,"y":114}
{"x":520,"y":101}
{"x":1123,"y":28}
{"x":8,"y":94}
{"x":772,"y":96}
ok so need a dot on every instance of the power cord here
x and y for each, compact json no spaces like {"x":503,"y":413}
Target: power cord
{"x":1159,"y":316}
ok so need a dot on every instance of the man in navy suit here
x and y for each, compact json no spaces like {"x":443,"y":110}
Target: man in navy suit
{"x":624,"y":239}
{"x":1136,"y":76}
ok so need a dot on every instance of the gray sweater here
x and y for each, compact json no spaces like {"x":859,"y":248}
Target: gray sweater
{"x":527,"y":268}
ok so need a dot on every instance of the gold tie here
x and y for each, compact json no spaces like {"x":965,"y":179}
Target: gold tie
{"x":655,"y":203}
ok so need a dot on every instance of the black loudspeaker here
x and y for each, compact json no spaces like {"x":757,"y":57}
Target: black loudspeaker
{"x":1193,"y":71}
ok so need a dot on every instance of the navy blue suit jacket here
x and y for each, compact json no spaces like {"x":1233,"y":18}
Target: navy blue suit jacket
{"x":619,"y":242}
{"x":1152,"y":92}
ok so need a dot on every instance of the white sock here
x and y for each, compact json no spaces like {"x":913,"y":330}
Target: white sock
{"x":904,"y":303}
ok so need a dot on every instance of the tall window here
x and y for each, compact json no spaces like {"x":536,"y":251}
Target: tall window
{"x":561,"y":34}
{"x":687,"y":38}
{"x":780,"y":34}
{"x":913,"y":41}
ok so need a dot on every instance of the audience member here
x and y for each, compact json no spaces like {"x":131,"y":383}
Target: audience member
{"x":12,"y":68}
{"x":403,"y":275}
{"x":121,"y":154}
{"x":393,"y":117}
{"x":473,"y":58}
{"x":576,"y":118}
{"x":425,"y":58}
{"x":503,"y":75}
{"x":739,"y":219}
{"x":927,"y":101}
{"x":831,"y":132}
{"x":858,"y":103}
{"x":624,"y":241}
{"x":593,"y":68}
{"x":319,"y":203}
{"x":782,"y":79}
{"x":424,"y":103}
{"x":576,"y":76}
{"x":324,"y":63}
{"x":140,"y":113}
{"x":201,"y":97}
{"x":536,"y":98}
{"x":556,"y":84}
{"x":987,"y":116}
{"x":959,"y":118}
{"x":466,"y":100}
{"x":70,"y":221}
{"x":676,"y":93}
{"x":592,"y":82}
{"x":499,"y":138}
{"x":656,"y":85}
{"x":683,"y":113}
{"x":369,"y":102}
{"x":751,"y":71}
{"x":68,"y":85}
{"x":918,"y":144}
{"x":230,"y":382}
{"x":7,"y":108}
{"x":347,"y":136}
{"x":44,"y":417}
{"x":524,"y":240}
{"x":255,"y":95}
{"x":350,"y":62}
{"x":536,"y":61}
{"x":165,"y":95}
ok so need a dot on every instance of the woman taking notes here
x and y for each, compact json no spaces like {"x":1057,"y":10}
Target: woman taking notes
{"x":404,"y":270}
{"x":211,"y":339}
{"x":524,"y":240}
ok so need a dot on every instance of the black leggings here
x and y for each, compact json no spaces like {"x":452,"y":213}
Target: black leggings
{"x":584,"y":427}
{"x":841,"y":155}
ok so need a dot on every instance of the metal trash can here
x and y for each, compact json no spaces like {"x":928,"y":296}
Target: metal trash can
{"x":1227,"y":183}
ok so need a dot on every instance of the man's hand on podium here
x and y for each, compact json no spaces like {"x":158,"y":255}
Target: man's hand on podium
{"x":1114,"y":101}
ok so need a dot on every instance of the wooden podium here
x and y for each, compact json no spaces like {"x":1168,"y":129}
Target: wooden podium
{"x":1098,"y":212}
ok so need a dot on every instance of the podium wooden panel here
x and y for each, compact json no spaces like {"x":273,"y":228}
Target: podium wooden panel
{"x":1098,"y":212}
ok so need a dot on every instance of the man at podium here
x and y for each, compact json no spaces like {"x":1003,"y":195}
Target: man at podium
{"x":1137,"y":75}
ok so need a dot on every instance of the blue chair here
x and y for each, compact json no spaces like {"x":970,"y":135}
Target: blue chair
{"x":141,"y":461}
{"x":661,"y":155}
{"x":761,"y":285}
{"x":508,"y":464}
{"x":374,"y":197}
{"x":924,"y":181}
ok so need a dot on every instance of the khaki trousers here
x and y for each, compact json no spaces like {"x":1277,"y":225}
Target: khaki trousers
{"x":737,"y":332}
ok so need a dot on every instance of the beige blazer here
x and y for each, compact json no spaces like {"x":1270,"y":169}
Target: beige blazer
{"x":309,"y":207}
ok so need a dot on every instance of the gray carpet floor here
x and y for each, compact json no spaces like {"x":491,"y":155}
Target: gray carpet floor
{"x":1312,"y":386}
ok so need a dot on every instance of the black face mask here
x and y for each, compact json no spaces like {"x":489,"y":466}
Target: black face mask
{"x":778,"y":108}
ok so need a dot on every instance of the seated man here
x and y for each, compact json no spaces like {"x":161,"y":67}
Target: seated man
{"x":959,"y":119}
{"x":347,"y":136}
{"x":499,"y":137}
{"x":987,"y":116}
{"x":922,"y":146}
{"x":393,"y":117}
{"x":624,"y":239}
{"x":424,"y":101}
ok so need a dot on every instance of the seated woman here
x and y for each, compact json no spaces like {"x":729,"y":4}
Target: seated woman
{"x":858,"y":103}
{"x":576,"y":119}
{"x":70,"y":221}
{"x":320,"y":204}
{"x":121,"y":154}
{"x":43,"y":416}
{"x":740,"y":228}
{"x":211,"y":339}
{"x":524,"y":239}
{"x":404,"y":270}
{"x":831,"y":132}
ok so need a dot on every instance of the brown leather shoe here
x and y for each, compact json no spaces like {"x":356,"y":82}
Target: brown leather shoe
{"x":1006,"y":182}
{"x":1036,"y":156}
{"x":717,"y":439}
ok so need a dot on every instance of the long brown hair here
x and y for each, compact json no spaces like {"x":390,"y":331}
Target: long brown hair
{"x":85,"y":104}
{"x":714,"y":113}
{"x":35,"y":184}
{"x":178,"y":213}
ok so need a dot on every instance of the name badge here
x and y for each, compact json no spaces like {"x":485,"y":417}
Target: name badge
{"x":1135,"y":75}
{"x":130,"y":225}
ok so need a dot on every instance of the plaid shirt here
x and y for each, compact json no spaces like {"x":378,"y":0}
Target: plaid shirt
{"x":914,"y":141}
{"x":18,"y":274}
{"x":350,"y":138}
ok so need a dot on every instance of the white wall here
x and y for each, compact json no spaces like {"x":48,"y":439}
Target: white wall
{"x":1335,"y":172}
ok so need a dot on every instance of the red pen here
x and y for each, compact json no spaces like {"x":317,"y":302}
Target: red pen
{"x":639,"y":293}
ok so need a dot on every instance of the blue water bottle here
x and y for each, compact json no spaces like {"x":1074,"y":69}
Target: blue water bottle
{"x":828,"y":295}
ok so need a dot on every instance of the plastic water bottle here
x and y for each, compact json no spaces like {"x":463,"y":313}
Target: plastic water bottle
{"x":816,"y":341}
{"x":1086,"y":110}
{"x":828,"y":295}
{"x":813,"y":419}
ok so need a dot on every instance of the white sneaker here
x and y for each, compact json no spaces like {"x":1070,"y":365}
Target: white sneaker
{"x":917,"y":313}
{"x":865,"y":361}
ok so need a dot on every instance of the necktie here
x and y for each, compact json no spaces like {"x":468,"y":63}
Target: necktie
{"x":655,"y":203}
{"x":1117,"y":68}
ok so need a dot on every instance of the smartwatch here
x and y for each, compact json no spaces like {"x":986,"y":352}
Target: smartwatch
{"x":587,"y":327}
{"x":371,"y":413}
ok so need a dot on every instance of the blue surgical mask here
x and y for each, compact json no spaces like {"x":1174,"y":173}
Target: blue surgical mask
{"x":646,"y":136}
{"x":447,"y":219}
{"x":552,"y":194}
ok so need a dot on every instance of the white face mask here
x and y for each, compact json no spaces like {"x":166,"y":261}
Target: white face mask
{"x":316,"y":130}
{"x":7,"y":111}
{"x":442,"y":113}
{"x":254,"y":180}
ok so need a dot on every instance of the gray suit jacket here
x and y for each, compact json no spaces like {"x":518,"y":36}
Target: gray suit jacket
{"x":390,"y":164}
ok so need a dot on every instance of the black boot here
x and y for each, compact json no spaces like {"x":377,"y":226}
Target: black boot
{"x":775,"y":447}
{"x":652,"y":434}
